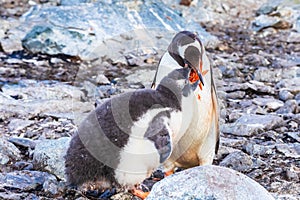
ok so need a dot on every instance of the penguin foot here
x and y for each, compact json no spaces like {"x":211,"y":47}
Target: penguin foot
{"x":139,"y":193}
{"x":168,"y":173}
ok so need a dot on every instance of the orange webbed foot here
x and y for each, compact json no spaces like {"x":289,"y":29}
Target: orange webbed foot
{"x":139,"y":193}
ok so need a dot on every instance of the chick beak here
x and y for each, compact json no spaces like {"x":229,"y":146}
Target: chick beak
{"x":187,"y":64}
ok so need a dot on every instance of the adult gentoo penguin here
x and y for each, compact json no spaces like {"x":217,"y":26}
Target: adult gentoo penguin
{"x":200,"y":142}
{"x":128,"y":136}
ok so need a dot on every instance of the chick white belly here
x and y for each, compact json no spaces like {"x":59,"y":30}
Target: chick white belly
{"x":139,"y":157}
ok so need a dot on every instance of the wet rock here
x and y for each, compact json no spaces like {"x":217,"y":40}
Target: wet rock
{"x":89,"y":30}
{"x":25,"y":181}
{"x":8,"y":152}
{"x":49,"y":155}
{"x":238,"y":161}
{"x":285,"y":95}
{"x":289,"y":150}
{"x":19,"y":124}
{"x":270,"y":103}
{"x":248,"y":125}
{"x":208,"y":182}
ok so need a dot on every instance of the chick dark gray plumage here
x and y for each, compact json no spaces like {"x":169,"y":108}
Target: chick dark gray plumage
{"x":124,"y":139}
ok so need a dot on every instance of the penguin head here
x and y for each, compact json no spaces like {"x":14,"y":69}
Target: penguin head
{"x":178,"y":81}
{"x":184,"y":50}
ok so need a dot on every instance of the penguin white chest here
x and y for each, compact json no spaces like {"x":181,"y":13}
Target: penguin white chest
{"x":139,"y":157}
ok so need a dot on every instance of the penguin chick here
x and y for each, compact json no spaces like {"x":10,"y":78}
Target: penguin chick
{"x":125,"y":138}
{"x":200,"y":142}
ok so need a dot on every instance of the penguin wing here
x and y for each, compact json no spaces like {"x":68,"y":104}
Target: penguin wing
{"x":160,"y":133}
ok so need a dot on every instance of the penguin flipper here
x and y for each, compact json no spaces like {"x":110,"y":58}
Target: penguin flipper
{"x":160,"y":133}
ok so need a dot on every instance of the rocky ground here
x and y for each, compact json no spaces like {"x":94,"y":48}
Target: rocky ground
{"x":258,"y":82}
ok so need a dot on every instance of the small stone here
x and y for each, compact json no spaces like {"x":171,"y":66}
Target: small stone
{"x":293,"y":37}
{"x":102,"y":79}
{"x":248,"y":125}
{"x":292,"y":174}
{"x":268,"y":75}
{"x":22,"y":165}
{"x":256,"y":149}
{"x":293,"y":84}
{"x":294,"y":135}
{"x":268,"y":7}
{"x":270,"y":103}
{"x":49,"y":154}
{"x":291,"y":150}
{"x":290,"y":106}
{"x":264,"y":21}
{"x":285,"y":95}
{"x":4,"y":159}
{"x":8,"y":151}
{"x":25,"y":180}
{"x":19,"y":124}
{"x":238,"y":161}
{"x":236,"y":95}
{"x":22,"y":142}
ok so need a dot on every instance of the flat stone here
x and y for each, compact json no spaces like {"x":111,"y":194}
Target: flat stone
{"x":294,"y":36}
{"x":19,"y":124}
{"x":208,"y":182}
{"x":264,"y":21}
{"x":250,"y":124}
{"x":293,"y":84}
{"x":25,"y":181}
{"x":285,"y":95}
{"x":268,"y":7}
{"x":290,"y":106}
{"x":294,"y":135}
{"x":238,"y":161}
{"x":268,"y":75}
{"x":8,"y":151}
{"x":49,"y":154}
{"x":259,"y":150}
{"x":42,"y":90}
{"x":270,"y":103}
{"x":291,"y":150}
{"x":22,"y":142}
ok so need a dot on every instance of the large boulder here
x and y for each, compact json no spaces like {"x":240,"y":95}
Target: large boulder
{"x":105,"y":30}
{"x":208,"y":183}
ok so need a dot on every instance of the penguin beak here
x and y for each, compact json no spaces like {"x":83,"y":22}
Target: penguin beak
{"x":188,"y":64}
